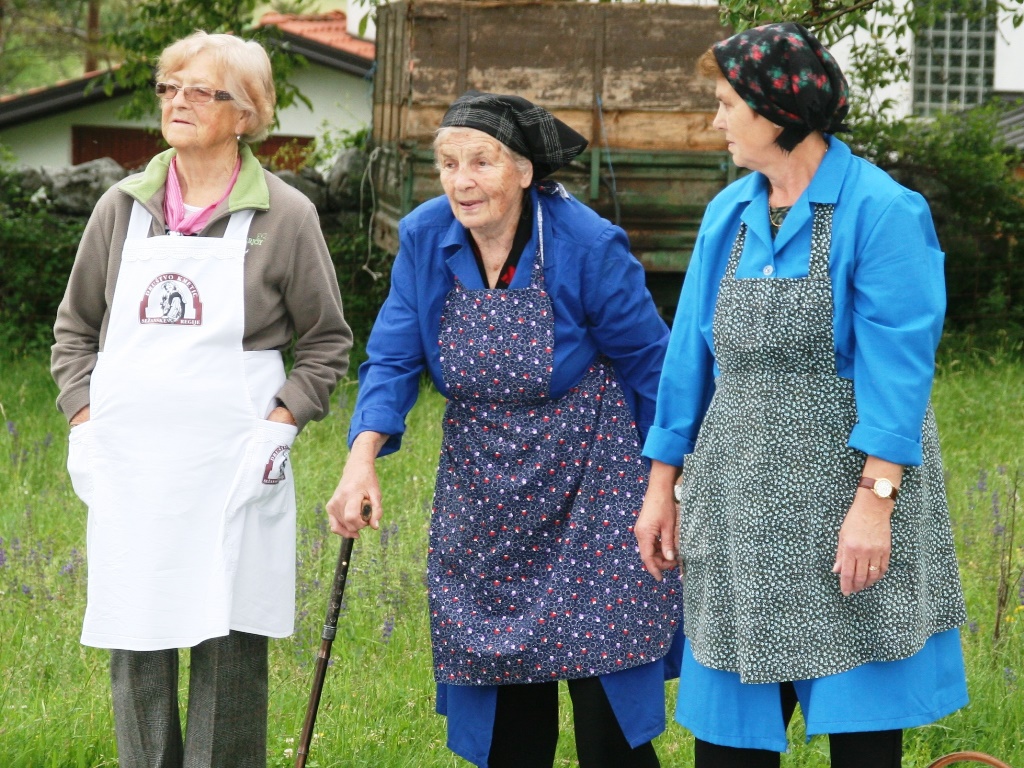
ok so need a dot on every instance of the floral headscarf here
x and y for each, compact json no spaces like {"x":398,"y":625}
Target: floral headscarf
{"x":785,"y":75}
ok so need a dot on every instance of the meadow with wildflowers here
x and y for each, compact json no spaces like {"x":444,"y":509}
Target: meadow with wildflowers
{"x":377,"y":706}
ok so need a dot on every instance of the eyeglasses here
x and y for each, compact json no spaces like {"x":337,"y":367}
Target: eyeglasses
{"x":194,"y":93}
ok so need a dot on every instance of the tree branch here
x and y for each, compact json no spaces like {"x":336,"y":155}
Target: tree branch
{"x":824,"y":22}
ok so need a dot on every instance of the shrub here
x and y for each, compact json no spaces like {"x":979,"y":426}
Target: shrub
{"x":38,"y":246}
{"x":37,"y":249}
{"x":968,"y":173}
{"x":364,"y":276}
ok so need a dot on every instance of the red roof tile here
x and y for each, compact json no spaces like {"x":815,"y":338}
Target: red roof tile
{"x":329,"y":29}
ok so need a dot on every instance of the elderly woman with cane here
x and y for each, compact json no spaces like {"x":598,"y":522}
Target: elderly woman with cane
{"x":532,"y":318}
{"x":191,"y":279}
{"x":813,"y":530}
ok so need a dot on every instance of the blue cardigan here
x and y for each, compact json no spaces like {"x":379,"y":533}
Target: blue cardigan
{"x":888,"y":293}
{"x":601,"y":304}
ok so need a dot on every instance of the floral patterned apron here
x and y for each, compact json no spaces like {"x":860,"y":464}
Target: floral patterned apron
{"x":533,"y":568}
{"x":769,"y":483}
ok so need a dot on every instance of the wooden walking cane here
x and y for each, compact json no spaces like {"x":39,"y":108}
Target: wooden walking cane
{"x":323,"y":656}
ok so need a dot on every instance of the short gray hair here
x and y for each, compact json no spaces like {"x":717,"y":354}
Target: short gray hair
{"x":245,"y":67}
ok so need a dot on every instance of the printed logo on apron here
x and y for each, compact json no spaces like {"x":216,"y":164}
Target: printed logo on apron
{"x":171,"y":299}
{"x":274,"y":472}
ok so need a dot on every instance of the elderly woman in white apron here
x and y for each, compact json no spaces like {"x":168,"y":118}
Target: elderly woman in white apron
{"x":814,"y":535}
{"x":532,"y":318}
{"x":191,"y":279}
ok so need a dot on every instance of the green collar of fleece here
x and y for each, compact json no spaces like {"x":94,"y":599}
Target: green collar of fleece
{"x":250,"y":190}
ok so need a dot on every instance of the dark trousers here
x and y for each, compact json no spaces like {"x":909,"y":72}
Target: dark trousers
{"x":526,"y":728}
{"x":227,"y":705}
{"x":867,"y":749}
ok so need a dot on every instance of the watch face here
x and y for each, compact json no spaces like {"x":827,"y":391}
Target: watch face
{"x":883,"y":488}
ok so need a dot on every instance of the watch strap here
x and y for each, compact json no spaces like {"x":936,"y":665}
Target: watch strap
{"x":870,"y":484}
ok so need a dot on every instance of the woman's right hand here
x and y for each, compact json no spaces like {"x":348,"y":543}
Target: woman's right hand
{"x":80,"y":418}
{"x":357,"y":488}
{"x":656,"y":526}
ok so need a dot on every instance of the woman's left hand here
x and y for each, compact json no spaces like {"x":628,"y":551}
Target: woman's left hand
{"x":865,"y":542}
{"x":282,"y":416}
{"x":865,"y":538}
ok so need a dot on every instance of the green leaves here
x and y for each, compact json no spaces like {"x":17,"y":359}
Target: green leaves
{"x":155,"y":24}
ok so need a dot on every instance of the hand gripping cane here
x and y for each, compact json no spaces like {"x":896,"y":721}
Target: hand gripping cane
{"x":323,"y":656}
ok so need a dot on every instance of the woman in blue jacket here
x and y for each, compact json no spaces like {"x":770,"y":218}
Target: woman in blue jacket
{"x":532,"y":318}
{"x":813,"y":530}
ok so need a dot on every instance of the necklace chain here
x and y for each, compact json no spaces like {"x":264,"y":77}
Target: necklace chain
{"x":777,"y":215}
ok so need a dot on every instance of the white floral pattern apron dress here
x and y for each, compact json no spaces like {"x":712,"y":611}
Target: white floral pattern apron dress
{"x":533,"y":569}
{"x":191,"y":504}
{"x":769,"y":483}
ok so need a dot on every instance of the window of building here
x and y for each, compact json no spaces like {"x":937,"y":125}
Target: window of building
{"x":954,"y":63}
{"x":132,"y":148}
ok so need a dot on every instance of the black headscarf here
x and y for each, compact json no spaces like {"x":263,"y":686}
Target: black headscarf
{"x":524,"y":127}
{"x":784,"y":74}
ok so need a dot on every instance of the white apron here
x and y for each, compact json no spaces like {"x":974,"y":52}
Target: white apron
{"x":191,"y":503}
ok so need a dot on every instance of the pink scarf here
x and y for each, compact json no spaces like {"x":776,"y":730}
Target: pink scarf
{"x":174,"y":206}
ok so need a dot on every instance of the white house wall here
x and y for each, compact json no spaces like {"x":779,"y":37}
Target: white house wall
{"x":1009,"y":75}
{"x":341,"y":102}
{"x":1009,"y":66}
{"x":47,"y":141}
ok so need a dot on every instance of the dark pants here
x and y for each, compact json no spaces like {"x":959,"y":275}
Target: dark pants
{"x":227,"y":705}
{"x":868,"y":749}
{"x":526,"y":728}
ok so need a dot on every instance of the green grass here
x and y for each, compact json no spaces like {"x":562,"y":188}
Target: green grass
{"x":377,"y":708}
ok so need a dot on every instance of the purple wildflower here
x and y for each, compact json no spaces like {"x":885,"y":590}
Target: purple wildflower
{"x":386,"y":534}
{"x":12,"y":430}
{"x":389,"y":627}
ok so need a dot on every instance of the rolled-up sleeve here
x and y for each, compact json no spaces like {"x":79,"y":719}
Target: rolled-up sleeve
{"x":389,"y":379}
{"x":624,"y":321}
{"x":898,"y":309}
{"x":687,"y":379}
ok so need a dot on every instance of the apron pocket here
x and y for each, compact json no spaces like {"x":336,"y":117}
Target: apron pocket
{"x":80,"y":463}
{"x":273,"y":444}
{"x":266,"y":481}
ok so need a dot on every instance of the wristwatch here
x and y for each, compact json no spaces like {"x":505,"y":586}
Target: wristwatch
{"x":882,"y":488}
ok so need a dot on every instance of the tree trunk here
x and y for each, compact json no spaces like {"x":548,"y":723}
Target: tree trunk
{"x":92,"y":34}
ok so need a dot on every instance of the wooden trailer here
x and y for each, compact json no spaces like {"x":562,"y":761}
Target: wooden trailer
{"x":622,"y":74}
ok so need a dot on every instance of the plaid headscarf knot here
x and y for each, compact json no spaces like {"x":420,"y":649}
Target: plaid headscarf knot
{"x":521,"y":126}
{"x":784,"y":74}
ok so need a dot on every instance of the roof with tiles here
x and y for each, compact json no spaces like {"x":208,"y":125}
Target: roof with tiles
{"x":322,"y":38}
{"x":330,"y":29}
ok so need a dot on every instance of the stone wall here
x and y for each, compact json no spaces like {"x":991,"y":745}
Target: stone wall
{"x":74,"y":190}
